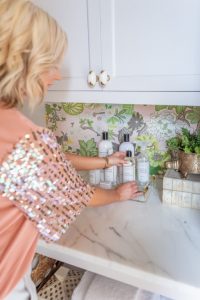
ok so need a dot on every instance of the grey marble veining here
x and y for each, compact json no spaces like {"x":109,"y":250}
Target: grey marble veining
{"x":148,"y":245}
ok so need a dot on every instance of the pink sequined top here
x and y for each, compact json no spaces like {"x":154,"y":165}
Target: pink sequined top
{"x":40,"y":193}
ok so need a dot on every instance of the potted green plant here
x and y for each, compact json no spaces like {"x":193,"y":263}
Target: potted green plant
{"x":185,"y":152}
{"x":173,"y":147}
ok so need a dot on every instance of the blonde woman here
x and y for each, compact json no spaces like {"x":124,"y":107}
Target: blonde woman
{"x":40,"y":190}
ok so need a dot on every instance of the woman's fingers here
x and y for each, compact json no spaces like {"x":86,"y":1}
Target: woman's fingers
{"x":120,"y":162}
{"x":120,"y":154}
{"x":128,"y":191}
{"x":137,"y":194}
{"x":131,"y":184}
{"x":117,"y":159}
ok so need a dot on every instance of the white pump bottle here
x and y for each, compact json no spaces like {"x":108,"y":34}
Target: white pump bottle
{"x":143,"y":168}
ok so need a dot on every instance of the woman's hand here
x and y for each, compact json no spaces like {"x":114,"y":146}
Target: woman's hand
{"x":128,"y":191}
{"x":116,"y":159}
{"x":125,"y":191}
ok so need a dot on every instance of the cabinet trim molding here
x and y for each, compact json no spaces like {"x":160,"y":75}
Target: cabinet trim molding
{"x":147,"y":98}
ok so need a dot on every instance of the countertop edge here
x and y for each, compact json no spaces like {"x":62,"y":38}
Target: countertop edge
{"x":145,"y":280}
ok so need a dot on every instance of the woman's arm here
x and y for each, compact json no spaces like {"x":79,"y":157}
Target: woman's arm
{"x":92,"y":163}
{"x":86,"y":163}
{"x":126,"y":191}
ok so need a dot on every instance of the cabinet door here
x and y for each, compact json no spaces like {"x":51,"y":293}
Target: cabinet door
{"x":151,"y":45}
{"x":83,"y":53}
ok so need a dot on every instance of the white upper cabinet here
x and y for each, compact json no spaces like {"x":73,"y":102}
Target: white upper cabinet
{"x":149,"y":51}
{"x":151,"y":45}
{"x":83,"y":51}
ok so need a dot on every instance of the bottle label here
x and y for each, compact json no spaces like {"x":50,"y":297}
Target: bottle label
{"x":94,"y":177}
{"x":103,"y":153}
{"x":120,"y":174}
{"x":128,"y":172}
{"x":109,"y":174}
{"x":143,"y":171}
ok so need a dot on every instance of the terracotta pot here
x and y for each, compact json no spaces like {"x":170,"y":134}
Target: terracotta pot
{"x":186,"y":163}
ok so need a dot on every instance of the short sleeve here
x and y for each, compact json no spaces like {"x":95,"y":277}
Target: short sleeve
{"x":39,"y":179}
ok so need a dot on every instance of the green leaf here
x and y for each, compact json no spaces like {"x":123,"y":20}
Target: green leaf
{"x":111,"y":133}
{"x":73,"y":109}
{"x":49,"y":109}
{"x":119,"y":117}
{"x":108,"y":106}
{"x":154,"y":170}
{"x":185,"y":132}
{"x":90,"y":122}
{"x":83,"y":148}
{"x":88,"y":148}
{"x":113,"y":120}
{"x":194,"y":116}
{"x":82,"y":121}
{"x":128,"y":108}
{"x":91,"y":143}
{"x":197,"y":150}
{"x":173,"y":143}
{"x":186,"y":141}
{"x":187,"y":149}
{"x":160,"y":107}
{"x":180,"y":109}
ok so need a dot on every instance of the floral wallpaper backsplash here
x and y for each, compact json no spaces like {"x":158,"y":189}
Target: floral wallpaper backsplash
{"x":78,"y":126}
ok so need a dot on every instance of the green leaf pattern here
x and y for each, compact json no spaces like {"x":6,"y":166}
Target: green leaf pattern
{"x":78,"y":126}
{"x":88,"y":148}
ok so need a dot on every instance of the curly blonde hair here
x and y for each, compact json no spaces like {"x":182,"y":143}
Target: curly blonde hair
{"x":31,"y":43}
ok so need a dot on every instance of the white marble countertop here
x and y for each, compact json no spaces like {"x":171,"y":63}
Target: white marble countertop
{"x":147,"y":245}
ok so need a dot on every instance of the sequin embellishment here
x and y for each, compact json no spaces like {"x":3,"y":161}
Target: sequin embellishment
{"x":38,"y":178}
